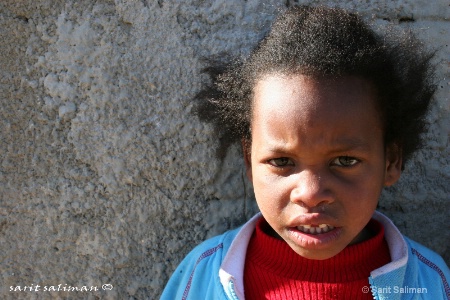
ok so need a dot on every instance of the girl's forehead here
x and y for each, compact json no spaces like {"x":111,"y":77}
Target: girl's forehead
{"x":302,"y":91}
{"x":283,"y":98}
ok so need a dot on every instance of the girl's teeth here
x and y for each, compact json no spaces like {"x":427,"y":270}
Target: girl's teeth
{"x":322,"y":228}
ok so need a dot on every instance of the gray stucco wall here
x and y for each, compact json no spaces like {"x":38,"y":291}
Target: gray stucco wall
{"x":106,"y":178}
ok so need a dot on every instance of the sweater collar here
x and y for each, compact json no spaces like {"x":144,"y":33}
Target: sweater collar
{"x":355,"y":262}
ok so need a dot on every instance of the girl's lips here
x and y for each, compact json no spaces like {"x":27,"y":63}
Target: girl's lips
{"x":314,"y":240}
{"x":314,"y":230}
{"x":322,"y":228}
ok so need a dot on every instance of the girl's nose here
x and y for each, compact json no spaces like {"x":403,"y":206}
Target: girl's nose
{"x":312,"y":189}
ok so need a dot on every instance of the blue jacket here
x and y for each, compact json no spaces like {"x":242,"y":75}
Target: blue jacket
{"x":215,"y":269}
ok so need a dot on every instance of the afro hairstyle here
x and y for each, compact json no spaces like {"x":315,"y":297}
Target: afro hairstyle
{"x":325,"y":42}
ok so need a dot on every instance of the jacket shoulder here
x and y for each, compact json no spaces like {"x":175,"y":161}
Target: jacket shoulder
{"x":430,"y":265}
{"x":427,"y":256}
{"x":197,"y":276}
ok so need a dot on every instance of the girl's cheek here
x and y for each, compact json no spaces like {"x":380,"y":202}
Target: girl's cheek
{"x":272,"y":191}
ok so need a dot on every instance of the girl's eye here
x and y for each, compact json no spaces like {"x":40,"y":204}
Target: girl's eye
{"x":281,"y":162}
{"x":345,"y":161}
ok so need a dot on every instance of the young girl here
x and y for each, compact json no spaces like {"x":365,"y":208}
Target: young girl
{"x":327,"y":112}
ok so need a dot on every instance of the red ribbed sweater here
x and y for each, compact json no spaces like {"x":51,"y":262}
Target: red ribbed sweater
{"x":274,"y":271}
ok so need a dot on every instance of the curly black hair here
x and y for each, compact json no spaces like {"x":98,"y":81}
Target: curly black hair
{"x":326,"y":42}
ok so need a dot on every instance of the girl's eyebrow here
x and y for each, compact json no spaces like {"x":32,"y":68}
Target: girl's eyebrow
{"x":338,"y":145}
{"x":350,"y":144}
{"x":276,"y":147}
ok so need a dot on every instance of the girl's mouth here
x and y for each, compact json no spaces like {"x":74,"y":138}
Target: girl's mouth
{"x":314,"y":237}
{"x":315,"y":229}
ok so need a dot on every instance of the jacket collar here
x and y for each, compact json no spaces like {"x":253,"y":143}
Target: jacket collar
{"x":396,"y":243}
{"x":231,"y":272}
{"x":232,"y":268}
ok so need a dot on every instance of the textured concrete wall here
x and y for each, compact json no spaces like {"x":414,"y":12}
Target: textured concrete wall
{"x":106,"y":178}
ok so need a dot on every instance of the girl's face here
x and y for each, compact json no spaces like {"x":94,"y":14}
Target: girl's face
{"x":317,"y":160}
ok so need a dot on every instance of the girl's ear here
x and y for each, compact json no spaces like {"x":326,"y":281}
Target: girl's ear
{"x":246,"y":150}
{"x":394,"y":164}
